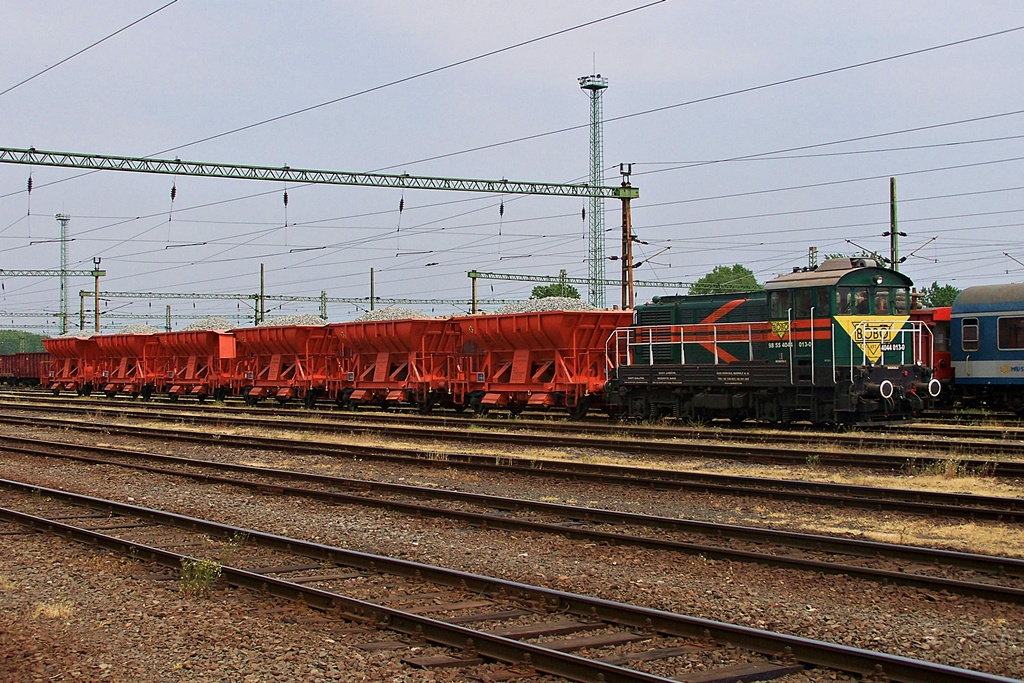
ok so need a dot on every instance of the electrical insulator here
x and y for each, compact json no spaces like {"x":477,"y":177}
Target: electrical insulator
{"x":401,"y":205}
{"x":174,"y":192}
{"x":501,"y":209}
{"x":30,"y":184}
{"x":583,"y":213}
{"x":286,"y":197}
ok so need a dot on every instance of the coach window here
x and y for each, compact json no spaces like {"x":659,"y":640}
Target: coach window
{"x":969,"y":334}
{"x":844,"y":305}
{"x":1011,"y":333}
{"x":779,"y":303}
{"x":899,"y":300}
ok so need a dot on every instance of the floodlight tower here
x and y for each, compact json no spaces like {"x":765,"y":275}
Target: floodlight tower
{"x":595,"y":86}
{"x":63,"y":219}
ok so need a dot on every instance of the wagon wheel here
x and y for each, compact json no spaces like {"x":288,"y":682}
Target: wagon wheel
{"x":579,"y":411}
{"x":309,"y":400}
{"x":173,"y":398}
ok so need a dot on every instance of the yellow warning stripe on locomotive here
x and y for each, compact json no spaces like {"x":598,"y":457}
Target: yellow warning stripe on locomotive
{"x":873,"y":334}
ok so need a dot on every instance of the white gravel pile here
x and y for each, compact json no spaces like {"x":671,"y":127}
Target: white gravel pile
{"x":548,"y":303}
{"x":391,"y":313}
{"x":79,"y":334}
{"x":298,"y":319}
{"x":138,"y":329}
{"x":218,"y":324}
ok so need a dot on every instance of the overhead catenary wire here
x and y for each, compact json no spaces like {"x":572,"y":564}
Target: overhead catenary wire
{"x":86,"y":49}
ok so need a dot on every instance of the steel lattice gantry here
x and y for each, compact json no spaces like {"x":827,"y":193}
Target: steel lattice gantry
{"x":63,"y":273}
{"x":102,"y":162}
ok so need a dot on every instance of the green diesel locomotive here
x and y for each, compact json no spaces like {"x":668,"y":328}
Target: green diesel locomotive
{"x":831,"y":344}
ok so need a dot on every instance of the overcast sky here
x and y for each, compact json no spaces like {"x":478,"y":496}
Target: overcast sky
{"x":199,"y":69}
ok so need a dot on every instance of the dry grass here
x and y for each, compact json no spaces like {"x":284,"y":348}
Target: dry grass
{"x":61,"y":608}
{"x":122,"y":566}
{"x":7,"y":584}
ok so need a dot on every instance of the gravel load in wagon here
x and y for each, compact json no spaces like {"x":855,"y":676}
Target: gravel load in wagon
{"x":293,"y":320}
{"x":391,"y":313}
{"x":214,"y":324}
{"x":548,"y":303}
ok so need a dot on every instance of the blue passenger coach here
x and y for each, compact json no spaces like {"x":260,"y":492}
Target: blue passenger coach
{"x":987,"y":339}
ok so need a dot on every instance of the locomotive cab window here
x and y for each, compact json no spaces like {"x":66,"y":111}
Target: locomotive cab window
{"x":802,"y":303}
{"x":844,"y":301}
{"x":969,"y":334}
{"x":882,"y":301}
{"x":778,"y":303}
{"x":860,"y":301}
{"x":899,"y":300}
{"x":1011,"y":333}
{"x":821,"y":309}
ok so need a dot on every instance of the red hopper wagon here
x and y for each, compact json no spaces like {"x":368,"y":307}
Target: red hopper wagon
{"x":194,"y":362}
{"x":124,"y":362}
{"x":285,"y":362}
{"x":395,"y":362}
{"x":537,"y":360}
{"x":72,"y":365}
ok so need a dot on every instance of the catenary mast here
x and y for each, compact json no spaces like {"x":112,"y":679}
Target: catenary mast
{"x":595,"y":86}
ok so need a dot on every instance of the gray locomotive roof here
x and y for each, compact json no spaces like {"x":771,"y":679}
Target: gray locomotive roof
{"x":990,"y":298}
{"x":827,"y":274}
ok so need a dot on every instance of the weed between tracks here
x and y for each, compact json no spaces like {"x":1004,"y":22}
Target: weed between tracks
{"x":198,"y":576}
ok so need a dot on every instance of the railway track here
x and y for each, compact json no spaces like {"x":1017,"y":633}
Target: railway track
{"x":995,"y":578}
{"x":801,"y":452}
{"x":448,"y":618}
{"x":959,"y":440}
{"x":953,"y":505}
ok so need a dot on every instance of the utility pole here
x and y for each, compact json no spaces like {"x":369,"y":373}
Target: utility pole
{"x":261,"y":312}
{"x":627,"y":243}
{"x":893,"y":233}
{"x":595,"y":86}
{"x":96,"y":273}
{"x":63,"y":219}
{"x":894,"y":239}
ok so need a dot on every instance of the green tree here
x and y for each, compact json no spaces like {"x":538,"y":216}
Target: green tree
{"x":16,"y":341}
{"x":939,"y":295}
{"x":554,"y":289}
{"x":735,"y":278}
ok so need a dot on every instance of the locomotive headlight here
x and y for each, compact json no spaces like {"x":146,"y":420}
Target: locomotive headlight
{"x":878,"y":280}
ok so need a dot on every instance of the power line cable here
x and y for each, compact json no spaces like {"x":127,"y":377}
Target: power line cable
{"x":406,"y":79}
{"x":84,"y":49}
{"x":709,"y":98}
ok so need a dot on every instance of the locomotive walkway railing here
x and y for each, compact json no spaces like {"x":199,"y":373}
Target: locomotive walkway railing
{"x":872,"y":342}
